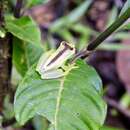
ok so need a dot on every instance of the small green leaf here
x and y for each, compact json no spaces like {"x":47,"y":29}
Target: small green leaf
{"x":73,"y":102}
{"x":126,"y":6}
{"x":113,"y":16}
{"x":2,"y":32}
{"x":8,"y":110}
{"x":24,"y":55}
{"x":113,"y":47}
{"x":31,"y":3}
{"x":126,"y":26}
{"x":24,"y":28}
{"x":84,"y":32}
{"x":109,"y":128}
{"x":40,"y":123}
{"x":74,"y":16}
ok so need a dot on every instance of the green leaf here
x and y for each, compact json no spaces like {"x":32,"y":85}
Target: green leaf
{"x":31,"y":3}
{"x":113,"y":15}
{"x":24,"y":28}
{"x":74,"y":16}
{"x":66,"y":35}
{"x":73,"y":102}
{"x":2,"y":32}
{"x":84,"y":32}
{"x":126,"y":6}
{"x":8,"y":110}
{"x":125,"y":101}
{"x":113,"y":47}
{"x":109,"y":128}
{"x":40,"y":123}
{"x":126,"y":26}
{"x":25,"y":55}
{"x":15,"y":76}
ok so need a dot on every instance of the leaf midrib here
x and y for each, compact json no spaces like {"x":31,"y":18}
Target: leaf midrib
{"x":58,"y":102}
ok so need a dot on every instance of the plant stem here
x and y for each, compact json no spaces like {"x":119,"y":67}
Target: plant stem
{"x":17,"y":8}
{"x":120,"y":20}
{"x":5,"y":60}
{"x":1,"y":15}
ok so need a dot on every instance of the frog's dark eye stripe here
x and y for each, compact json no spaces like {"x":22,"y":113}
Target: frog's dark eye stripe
{"x":66,"y":46}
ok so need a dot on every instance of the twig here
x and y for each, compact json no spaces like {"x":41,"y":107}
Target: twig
{"x":120,"y":20}
{"x":17,"y":8}
{"x":5,"y":59}
{"x":6,"y":56}
{"x":104,"y":35}
{"x":118,"y":107}
{"x":1,"y":14}
{"x":82,"y":54}
{"x":123,"y":113}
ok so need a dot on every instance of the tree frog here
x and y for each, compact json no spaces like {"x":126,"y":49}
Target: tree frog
{"x":52,"y":64}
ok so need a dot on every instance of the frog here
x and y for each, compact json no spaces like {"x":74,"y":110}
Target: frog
{"x":52,"y":65}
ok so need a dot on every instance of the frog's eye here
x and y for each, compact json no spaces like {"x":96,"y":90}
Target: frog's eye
{"x":67,"y":45}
